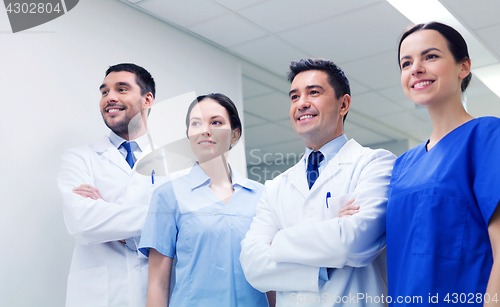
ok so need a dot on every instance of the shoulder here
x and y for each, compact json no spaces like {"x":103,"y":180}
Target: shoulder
{"x":300,"y":165}
{"x":488,"y":120}
{"x":164,"y":196}
{"x":479,"y":135}
{"x":248,"y":184}
{"x":254,"y":185}
{"x":488,"y":124}
{"x":77,"y":156}
{"x":354,"y":152}
{"x":99,"y":146}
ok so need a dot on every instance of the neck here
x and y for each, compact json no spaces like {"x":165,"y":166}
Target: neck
{"x":445,"y":118}
{"x":315,"y":146}
{"x":218,"y":171}
{"x":136,"y":128}
{"x":133,"y":135}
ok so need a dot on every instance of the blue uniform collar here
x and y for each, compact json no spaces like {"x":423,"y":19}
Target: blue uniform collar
{"x":200,"y":178}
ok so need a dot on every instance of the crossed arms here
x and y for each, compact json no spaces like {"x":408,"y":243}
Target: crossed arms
{"x":289,"y":259}
{"x":88,"y":217}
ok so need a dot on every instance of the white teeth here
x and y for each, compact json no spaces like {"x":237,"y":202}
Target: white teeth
{"x":205,"y":143}
{"x":305,"y":116}
{"x":113,"y":110}
{"x":422,"y":84}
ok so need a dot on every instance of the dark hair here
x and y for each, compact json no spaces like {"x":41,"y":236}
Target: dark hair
{"x":336,"y":77}
{"x":224,"y":101}
{"x":143,"y":77}
{"x":456,"y":44}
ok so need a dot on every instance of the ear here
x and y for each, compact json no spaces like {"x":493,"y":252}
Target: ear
{"x":235,"y":135}
{"x":345,"y":104}
{"x":465,"y":69}
{"x":148,"y":101}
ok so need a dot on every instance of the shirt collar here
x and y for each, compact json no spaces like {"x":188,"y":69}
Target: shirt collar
{"x":142,"y":141}
{"x":199,"y":178}
{"x":330,"y":149}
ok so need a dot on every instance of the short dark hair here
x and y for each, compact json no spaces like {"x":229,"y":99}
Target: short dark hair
{"x":456,"y":44}
{"x":336,"y":76}
{"x":142,"y":76}
{"x":223,"y":100}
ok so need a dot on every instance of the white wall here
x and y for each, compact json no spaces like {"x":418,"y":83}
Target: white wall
{"x":49,"y":79}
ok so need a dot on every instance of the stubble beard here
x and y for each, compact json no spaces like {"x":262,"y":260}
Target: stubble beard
{"x":127,"y":126}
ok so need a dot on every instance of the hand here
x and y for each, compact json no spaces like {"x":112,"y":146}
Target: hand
{"x":86,"y":190}
{"x":349,"y":209}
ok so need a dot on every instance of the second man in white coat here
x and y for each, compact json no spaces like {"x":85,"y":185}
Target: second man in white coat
{"x":297,"y":244}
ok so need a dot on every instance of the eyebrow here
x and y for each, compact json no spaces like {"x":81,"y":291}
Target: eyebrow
{"x":422,"y":53}
{"x":121,"y":83}
{"x":307,"y":88}
{"x":215,"y":116}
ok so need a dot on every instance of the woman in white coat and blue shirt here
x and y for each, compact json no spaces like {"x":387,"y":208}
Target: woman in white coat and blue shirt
{"x":202,"y":217}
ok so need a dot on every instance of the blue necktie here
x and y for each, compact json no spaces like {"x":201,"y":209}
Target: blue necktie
{"x":130,"y":147}
{"x":312,"y":167}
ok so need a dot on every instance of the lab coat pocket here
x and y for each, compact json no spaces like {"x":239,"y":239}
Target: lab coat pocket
{"x":439,"y":226}
{"x":334,"y":204}
{"x":88,"y":288}
{"x":326,"y":207}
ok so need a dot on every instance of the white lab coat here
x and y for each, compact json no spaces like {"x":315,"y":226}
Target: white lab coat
{"x":294,"y":233}
{"x":105,"y":272}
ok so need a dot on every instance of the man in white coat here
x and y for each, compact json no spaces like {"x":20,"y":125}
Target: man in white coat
{"x":298,"y":244}
{"x":105,"y":201}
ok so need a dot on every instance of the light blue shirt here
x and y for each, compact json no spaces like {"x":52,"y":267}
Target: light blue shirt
{"x":329,"y":150}
{"x":142,"y":143}
{"x":188,"y":221}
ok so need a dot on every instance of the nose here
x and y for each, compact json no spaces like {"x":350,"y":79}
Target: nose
{"x":112,"y":96}
{"x":206,"y":130}
{"x":303,"y":103}
{"x":417,"y":68}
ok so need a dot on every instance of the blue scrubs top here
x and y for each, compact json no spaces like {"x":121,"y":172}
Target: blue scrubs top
{"x":187,"y":220}
{"x":440,"y":203}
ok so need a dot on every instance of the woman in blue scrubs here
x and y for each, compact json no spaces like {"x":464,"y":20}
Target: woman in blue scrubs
{"x":202,"y":217}
{"x":443,"y":229}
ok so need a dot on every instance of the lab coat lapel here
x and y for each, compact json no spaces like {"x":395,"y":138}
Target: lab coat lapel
{"x":108,"y":151}
{"x":343,"y":160}
{"x":298,"y":178}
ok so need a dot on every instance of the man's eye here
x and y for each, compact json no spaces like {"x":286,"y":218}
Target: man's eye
{"x":104,"y":93}
{"x":314,"y":92}
{"x":293,"y":97}
{"x":122,"y":89}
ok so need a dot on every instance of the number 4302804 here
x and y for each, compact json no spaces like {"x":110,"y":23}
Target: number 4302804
{"x":470,"y":298}
{"x":32,"y":8}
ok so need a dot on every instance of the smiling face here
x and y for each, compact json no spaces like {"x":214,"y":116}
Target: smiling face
{"x":121,"y":101}
{"x":429,"y":72}
{"x":315,"y":112}
{"x":210,"y":131}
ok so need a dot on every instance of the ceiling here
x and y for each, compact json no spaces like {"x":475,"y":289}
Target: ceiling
{"x":360,"y":36}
